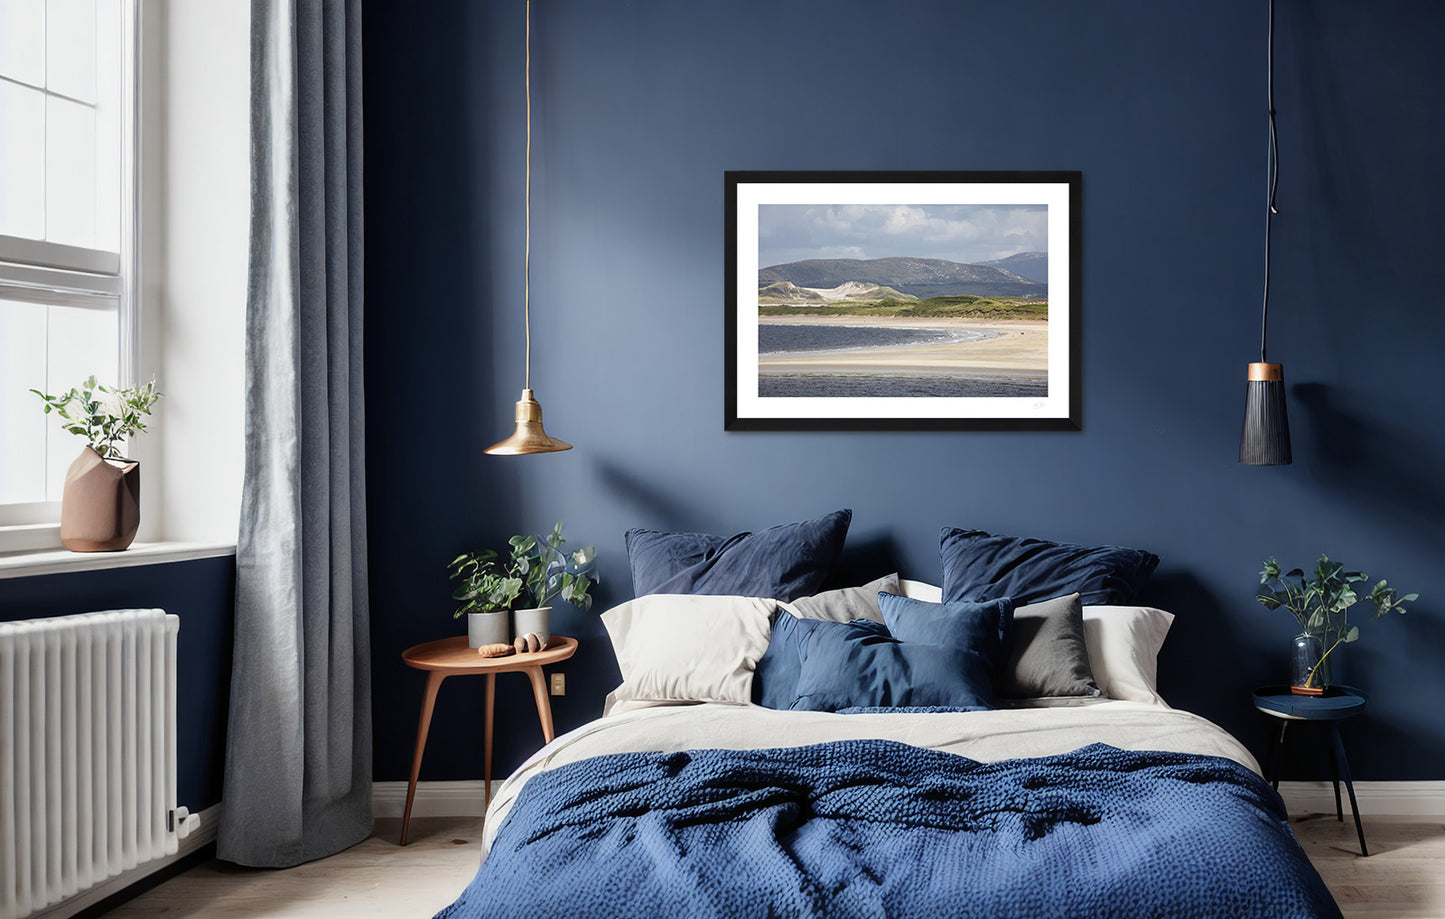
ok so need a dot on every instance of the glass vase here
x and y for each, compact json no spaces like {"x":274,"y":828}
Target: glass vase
{"x":1308,"y":674}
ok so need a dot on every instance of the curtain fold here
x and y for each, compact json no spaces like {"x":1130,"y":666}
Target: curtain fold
{"x":298,"y":748}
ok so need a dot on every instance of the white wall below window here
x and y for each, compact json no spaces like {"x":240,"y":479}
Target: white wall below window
{"x":195,"y":213}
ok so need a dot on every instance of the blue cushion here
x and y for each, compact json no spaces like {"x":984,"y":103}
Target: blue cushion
{"x":782,"y":562}
{"x":850,"y":665}
{"x":978,"y":565}
{"x":775,"y":681}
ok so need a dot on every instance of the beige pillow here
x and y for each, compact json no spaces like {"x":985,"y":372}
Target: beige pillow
{"x":688,"y":647}
{"x":1124,"y":643}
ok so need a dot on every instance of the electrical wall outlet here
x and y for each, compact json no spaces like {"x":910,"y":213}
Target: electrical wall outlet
{"x":559,"y":684}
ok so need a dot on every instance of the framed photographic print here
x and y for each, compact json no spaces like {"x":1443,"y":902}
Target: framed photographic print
{"x":902,"y":300}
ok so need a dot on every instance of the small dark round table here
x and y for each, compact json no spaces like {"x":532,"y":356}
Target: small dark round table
{"x":1336,"y":704}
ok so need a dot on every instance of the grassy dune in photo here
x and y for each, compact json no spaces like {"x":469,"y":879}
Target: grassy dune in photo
{"x":957,"y":307}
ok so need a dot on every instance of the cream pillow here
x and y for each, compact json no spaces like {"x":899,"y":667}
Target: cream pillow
{"x":1124,"y":643}
{"x":688,"y":647}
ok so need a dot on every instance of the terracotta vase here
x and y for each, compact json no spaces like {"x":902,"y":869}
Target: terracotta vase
{"x":100,"y":507}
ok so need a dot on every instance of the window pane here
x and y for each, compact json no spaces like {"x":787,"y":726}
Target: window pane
{"x":70,"y":48}
{"x":79,"y":343}
{"x":22,"y":418}
{"x":70,"y":171}
{"x":108,"y":158}
{"x":22,"y":40}
{"x":22,"y":162}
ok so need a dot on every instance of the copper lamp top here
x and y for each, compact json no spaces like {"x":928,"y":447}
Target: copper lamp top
{"x":1263,"y":371}
{"x":529,"y":437}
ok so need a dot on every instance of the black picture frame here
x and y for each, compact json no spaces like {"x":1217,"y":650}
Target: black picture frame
{"x":804,"y":212}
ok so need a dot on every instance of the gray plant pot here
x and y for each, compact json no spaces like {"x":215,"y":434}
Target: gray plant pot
{"x":533,"y":620}
{"x":488,"y":629}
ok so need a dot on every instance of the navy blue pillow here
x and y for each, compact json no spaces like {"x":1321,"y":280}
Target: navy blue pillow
{"x":782,"y":562}
{"x":982,"y":630}
{"x":849,"y":665}
{"x":775,"y":681}
{"x":977,"y":565}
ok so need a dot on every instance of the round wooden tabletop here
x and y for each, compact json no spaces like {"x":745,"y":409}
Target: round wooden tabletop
{"x":453,"y":656}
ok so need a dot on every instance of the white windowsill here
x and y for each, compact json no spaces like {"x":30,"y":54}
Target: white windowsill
{"x":56,"y":561}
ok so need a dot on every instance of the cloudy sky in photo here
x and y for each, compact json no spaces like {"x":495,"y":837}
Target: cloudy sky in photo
{"x":967,"y":233}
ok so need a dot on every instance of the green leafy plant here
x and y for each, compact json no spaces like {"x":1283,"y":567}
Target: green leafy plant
{"x":536,"y":572}
{"x":1321,"y":601}
{"x":103,"y":415}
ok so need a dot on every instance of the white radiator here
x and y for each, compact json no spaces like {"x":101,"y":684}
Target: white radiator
{"x":87,"y":752}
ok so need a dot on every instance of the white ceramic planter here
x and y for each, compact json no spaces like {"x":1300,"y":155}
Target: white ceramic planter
{"x":489,"y":629}
{"x":533,"y":620}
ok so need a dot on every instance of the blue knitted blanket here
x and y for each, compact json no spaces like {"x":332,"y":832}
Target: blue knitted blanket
{"x":878,"y":828}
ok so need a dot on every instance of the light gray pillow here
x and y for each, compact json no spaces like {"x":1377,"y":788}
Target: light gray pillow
{"x":1049,"y":655}
{"x":848,"y":603}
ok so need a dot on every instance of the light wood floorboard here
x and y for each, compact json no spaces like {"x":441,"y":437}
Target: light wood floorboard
{"x":1404,"y":877}
{"x":376,"y":878}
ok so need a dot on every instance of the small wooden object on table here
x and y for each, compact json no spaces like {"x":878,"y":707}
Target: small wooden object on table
{"x":1331,"y":707}
{"x":452,"y":657}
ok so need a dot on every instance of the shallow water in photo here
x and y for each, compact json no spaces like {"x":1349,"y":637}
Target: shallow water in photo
{"x":777,"y":339}
{"x":865,"y":385}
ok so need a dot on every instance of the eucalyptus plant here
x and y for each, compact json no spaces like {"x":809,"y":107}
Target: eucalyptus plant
{"x":1321,"y":601}
{"x":103,"y":415}
{"x":536,"y":572}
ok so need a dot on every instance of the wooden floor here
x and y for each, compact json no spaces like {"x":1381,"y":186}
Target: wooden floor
{"x":378,"y":878}
{"x":1404,"y":877}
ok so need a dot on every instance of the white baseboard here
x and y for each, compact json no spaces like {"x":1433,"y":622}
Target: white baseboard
{"x":1376,"y":799}
{"x":433,"y":799}
{"x":200,"y":837}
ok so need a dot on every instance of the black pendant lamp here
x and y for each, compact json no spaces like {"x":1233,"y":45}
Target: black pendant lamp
{"x":529,"y":436}
{"x":1265,"y":438}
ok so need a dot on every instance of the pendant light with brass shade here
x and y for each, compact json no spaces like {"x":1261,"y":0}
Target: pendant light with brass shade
{"x":1264,"y":440}
{"x":529,"y":437}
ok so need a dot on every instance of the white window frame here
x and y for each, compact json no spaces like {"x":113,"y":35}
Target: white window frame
{"x":52,"y":273}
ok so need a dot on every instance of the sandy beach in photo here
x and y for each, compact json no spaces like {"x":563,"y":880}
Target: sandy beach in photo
{"x":1020,"y":348}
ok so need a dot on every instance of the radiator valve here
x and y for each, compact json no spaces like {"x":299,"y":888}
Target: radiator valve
{"x":182,"y":822}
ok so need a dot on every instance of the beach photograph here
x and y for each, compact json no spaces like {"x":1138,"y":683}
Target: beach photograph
{"x":903,"y":300}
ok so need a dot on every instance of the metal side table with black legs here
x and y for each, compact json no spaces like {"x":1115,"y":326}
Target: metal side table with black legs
{"x":1333,"y":706}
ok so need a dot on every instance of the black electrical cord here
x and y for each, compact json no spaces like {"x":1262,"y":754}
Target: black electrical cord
{"x":1270,"y":211}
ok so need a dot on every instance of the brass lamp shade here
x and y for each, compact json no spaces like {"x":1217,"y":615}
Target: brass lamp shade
{"x":1264,"y":441}
{"x":529,"y":437}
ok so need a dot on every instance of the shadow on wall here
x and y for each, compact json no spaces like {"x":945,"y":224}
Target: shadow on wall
{"x":1206,"y":665}
{"x":1372,"y":462}
{"x":661,"y":510}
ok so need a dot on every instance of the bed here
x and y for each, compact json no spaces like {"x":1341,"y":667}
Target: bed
{"x":690,"y":798}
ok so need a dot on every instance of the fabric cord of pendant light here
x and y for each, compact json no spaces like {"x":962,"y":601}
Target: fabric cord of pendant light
{"x":529,"y":435}
{"x":1264,"y":439}
{"x":527,"y":220}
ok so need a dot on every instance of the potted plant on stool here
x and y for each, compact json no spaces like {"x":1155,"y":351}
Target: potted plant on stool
{"x":100,"y":506}
{"x":537,"y":571}
{"x":1321,"y":604}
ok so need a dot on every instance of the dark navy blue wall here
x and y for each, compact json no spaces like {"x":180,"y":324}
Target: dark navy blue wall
{"x":202,"y":594}
{"x":641,"y":106}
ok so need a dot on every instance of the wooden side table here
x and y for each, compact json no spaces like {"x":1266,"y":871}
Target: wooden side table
{"x":1337,"y":704}
{"x":451,"y":657}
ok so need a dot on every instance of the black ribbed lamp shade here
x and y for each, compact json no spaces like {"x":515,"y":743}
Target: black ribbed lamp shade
{"x":1265,"y":438}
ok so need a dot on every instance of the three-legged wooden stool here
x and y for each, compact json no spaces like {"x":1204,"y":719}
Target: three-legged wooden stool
{"x":452,"y":657}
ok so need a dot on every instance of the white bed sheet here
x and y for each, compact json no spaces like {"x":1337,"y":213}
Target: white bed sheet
{"x":984,"y":736}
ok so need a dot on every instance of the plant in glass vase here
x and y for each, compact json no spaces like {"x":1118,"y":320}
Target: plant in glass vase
{"x":1320,"y":603}
{"x":100,"y":505}
{"x":536,"y":571}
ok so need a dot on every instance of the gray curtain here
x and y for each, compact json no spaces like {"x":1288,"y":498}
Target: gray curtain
{"x":298,"y":746}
